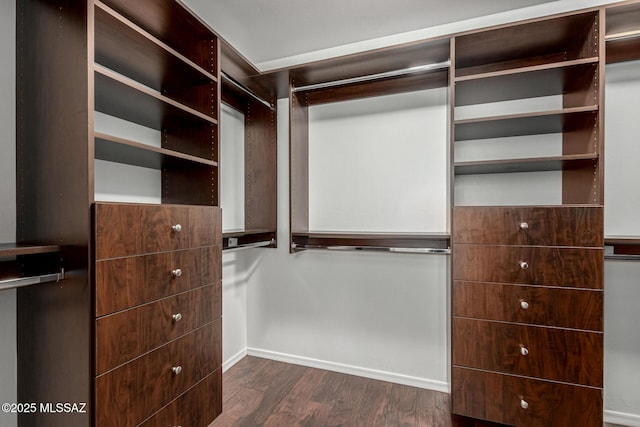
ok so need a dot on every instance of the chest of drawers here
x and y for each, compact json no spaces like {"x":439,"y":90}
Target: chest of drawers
{"x":158,"y":327}
{"x":527,"y":315}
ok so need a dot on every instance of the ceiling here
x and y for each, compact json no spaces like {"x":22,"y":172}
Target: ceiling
{"x":265,"y":31}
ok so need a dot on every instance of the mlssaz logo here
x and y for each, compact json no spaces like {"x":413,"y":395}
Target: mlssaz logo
{"x":63,"y":407}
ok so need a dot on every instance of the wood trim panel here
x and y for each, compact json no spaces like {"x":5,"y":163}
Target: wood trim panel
{"x":298,"y":163}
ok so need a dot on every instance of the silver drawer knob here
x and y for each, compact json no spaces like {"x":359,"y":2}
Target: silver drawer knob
{"x":177,"y":228}
{"x":524,"y":305}
{"x":524,"y":265}
{"x":524,"y":226}
{"x":524,"y":350}
{"x":176,"y":317}
{"x":176,"y":370}
{"x":176,"y":273}
{"x":524,"y":404}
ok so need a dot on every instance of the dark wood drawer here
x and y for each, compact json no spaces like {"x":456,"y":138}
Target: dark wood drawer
{"x":126,"y":282}
{"x":195,"y":408}
{"x":568,"y":308}
{"x":123,"y":336}
{"x":524,"y":402}
{"x":134,"y":391}
{"x":128,"y":229}
{"x":539,"y":265}
{"x":534,"y":351}
{"x":546,"y":226}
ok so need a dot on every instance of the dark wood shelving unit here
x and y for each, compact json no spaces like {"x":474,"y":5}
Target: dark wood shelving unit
{"x":127,"y":49}
{"x":537,"y":164}
{"x":536,"y":123}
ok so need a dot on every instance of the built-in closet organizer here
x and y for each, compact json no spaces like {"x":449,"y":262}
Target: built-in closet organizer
{"x":118,"y":106}
{"x":356,"y":87}
{"x":527,"y":232}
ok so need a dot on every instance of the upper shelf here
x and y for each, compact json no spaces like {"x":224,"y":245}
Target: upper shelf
{"x":437,"y":242}
{"x":527,"y":82}
{"x":167,"y":20}
{"x":127,"y":49}
{"x":623,"y":33}
{"x":542,"y":122}
{"x":122,"y":97}
{"x":539,"y":42}
{"x":622,"y":247}
{"x":537,"y":164}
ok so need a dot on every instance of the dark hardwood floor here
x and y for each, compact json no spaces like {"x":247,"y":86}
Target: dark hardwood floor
{"x":262,"y":392}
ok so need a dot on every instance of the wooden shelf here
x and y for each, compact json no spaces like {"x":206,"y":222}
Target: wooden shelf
{"x":622,"y":23}
{"x":539,"y":42}
{"x":526,"y":82}
{"x":249,"y":238}
{"x":127,"y":49}
{"x":127,"y":99}
{"x":536,"y":123}
{"x":328,"y":239}
{"x":17,"y":249}
{"x":120,"y":150}
{"x":537,"y":164}
{"x":167,"y":20}
{"x":624,"y":247}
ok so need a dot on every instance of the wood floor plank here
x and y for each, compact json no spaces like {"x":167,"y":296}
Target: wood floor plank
{"x":401,"y":409}
{"x":373,"y":404}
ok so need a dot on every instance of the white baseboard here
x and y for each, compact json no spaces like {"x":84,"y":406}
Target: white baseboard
{"x":351,"y":370}
{"x":233,"y":359}
{"x":630,"y":420}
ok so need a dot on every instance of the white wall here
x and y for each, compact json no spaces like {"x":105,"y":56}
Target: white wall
{"x":622,"y":203}
{"x":382,"y":315}
{"x":8,"y":355}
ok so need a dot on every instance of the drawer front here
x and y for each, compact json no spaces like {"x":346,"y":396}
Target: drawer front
{"x":126,"y":230}
{"x":126,"y":282}
{"x":533,"y":351}
{"x":196,"y":408}
{"x":123,"y":336}
{"x":524,"y":402}
{"x":567,"y":308}
{"x":546,"y":226}
{"x":133,"y":392}
{"x":539,"y":265}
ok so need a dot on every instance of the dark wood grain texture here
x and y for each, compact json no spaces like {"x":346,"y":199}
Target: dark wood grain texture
{"x":136,"y":390}
{"x":552,"y":353}
{"x":548,"y":226}
{"x":125,"y":230}
{"x":197,"y":407}
{"x":123,"y":336}
{"x":126,"y":282}
{"x":498,"y":397}
{"x":553,"y":266}
{"x":298,"y":163}
{"x":538,"y":305}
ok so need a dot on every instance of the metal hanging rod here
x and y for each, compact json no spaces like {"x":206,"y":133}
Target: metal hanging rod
{"x":395,"y":73}
{"x":247,"y":91}
{"x":622,"y":36}
{"x":426,"y":251}
{"x":252,"y":245}
{"x":31,"y":280}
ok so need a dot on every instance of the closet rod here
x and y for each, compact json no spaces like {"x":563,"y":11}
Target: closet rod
{"x":395,"y":73}
{"x":622,"y":36}
{"x":31,"y":280}
{"x":247,"y":91}
{"x":252,"y":245}
{"x":427,"y":251}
